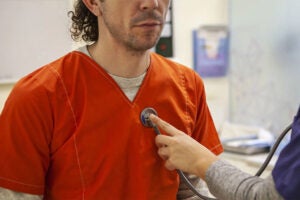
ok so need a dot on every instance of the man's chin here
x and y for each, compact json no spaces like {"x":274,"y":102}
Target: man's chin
{"x":147,"y":44}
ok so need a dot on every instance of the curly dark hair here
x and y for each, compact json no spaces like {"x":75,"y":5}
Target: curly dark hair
{"x":84,"y":23}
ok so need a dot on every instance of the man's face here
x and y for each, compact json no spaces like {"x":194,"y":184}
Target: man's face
{"x":135,"y":24}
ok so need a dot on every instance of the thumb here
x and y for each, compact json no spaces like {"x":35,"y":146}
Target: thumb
{"x":165,"y":126}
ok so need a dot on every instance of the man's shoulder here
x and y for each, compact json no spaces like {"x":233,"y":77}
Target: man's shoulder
{"x":49,"y":75}
{"x":173,"y":66}
{"x":169,"y":62}
{"x":72,"y":59}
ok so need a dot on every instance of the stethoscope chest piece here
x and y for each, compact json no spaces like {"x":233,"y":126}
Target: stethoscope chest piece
{"x":145,"y":116}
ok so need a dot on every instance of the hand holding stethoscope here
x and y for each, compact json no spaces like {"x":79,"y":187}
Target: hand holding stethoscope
{"x":182,"y":152}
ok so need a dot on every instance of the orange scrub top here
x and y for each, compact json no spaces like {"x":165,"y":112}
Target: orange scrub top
{"x":68,"y":131}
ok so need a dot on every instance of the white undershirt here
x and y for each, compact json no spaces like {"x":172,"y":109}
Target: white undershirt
{"x":130,"y":86}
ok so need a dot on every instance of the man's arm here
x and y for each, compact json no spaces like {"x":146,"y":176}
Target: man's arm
{"x":6,"y":194}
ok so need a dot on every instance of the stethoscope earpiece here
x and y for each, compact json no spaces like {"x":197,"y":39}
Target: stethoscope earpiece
{"x":145,"y":116}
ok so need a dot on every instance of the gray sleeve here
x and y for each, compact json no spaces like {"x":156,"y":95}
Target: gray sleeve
{"x":184,"y":193}
{"x":6,"y":194}
{"x":227,"y":182}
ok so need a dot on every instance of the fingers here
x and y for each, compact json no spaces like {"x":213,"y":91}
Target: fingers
{"x":164,"y":154}
{"x":168,"y":128}
{"x":169,"y":165}
{"x":165,"y":143}
{"x":163,"y":140}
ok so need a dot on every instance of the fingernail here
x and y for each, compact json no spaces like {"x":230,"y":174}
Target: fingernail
{"x":154,"y":116}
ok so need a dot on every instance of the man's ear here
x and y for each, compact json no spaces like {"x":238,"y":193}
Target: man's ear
{"x":93,"y":6}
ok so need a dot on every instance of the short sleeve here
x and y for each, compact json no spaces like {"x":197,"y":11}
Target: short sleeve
{"x":204,"y":130}
{"x":25,"y":136}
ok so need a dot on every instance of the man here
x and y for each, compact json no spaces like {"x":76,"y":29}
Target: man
{"x":71,"y":129}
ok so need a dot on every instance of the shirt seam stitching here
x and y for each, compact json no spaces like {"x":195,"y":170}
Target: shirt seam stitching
{"x":76,"y":124}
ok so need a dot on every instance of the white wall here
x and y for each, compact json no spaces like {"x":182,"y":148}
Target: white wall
{"x":265,"y":64}
{"x":44,"y":35}
{"x":4,"y":91}
{"x":188,"y":15}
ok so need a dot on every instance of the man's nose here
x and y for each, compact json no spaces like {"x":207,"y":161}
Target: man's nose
{"x":149,"y":4}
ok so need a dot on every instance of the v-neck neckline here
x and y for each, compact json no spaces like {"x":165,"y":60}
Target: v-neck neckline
{"x":83,"y":51}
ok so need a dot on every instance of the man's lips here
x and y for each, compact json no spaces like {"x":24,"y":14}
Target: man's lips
{"x":149,"y":23}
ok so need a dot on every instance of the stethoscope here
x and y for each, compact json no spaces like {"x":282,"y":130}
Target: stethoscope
{"x":144,"y":116}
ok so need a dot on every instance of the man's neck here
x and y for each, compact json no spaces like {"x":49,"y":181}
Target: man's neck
{"x":120,"y":62}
